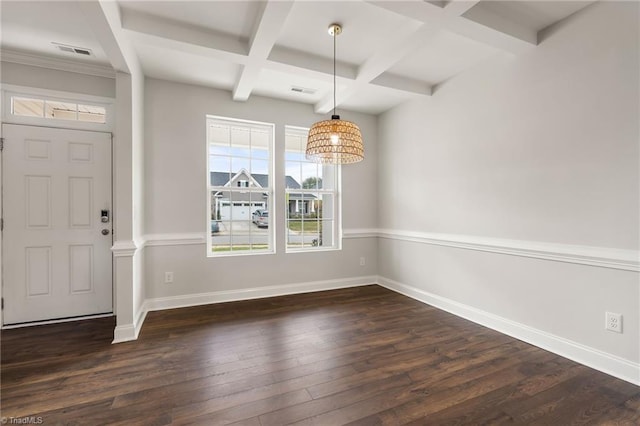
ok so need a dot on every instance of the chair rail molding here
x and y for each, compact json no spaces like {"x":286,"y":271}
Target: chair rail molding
{"x":176,"y":239}
{"x":195,"y":238}
{"x":353,"y":233}
{"x":605,"y":257}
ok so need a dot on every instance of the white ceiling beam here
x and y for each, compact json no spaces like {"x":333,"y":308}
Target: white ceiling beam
{"x":403,"y":43}
{"x":174,"y":35}
{"x":419,"y":10}
{"x":478,"y":23}
{"x":457,"y":8}
{"x":345,"y":89}
{"x":268,"y":28}
{"x":162,"y":42}
{"x":105,"y":22}
{"x":403,"y":84}
{"x":306,"y":64}
{"x":488,"y":27}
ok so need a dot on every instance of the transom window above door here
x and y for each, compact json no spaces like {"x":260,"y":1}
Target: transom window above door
{"x":57,"y":110}
{"x":51,"y":108}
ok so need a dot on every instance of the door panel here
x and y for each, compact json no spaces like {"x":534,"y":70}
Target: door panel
{"x":56,"y":261}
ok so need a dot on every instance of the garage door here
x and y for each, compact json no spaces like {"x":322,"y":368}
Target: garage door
{"x":239,"y":210}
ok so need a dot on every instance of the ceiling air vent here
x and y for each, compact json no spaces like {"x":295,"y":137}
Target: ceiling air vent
{"x":303,"y":90}
{"x":73,"y":49}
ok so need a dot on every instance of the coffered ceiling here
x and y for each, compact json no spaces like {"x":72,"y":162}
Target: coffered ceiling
{"x":389,"y":51}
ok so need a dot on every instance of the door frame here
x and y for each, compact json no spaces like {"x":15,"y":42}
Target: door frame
{"x":9,"y":90}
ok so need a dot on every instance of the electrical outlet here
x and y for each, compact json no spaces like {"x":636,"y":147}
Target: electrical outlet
{"x":613,"y":322}
{"x":363,"y":261}
{"x":168,"y":277}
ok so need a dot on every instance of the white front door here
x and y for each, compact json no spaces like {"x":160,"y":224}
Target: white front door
{"x":56,"y":251}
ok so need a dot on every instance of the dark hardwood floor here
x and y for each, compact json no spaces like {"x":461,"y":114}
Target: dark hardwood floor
{"x":360,"y":356}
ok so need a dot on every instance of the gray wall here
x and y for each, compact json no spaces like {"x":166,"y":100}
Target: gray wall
{"x":539,"y":148}
{"x":175,"y":195}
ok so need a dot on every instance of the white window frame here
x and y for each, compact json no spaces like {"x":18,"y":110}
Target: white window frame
{"x":337,"y":203}
{"x":10,"y":91}
{"x":271,"y":196}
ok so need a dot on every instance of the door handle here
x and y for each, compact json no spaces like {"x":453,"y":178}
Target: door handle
{"x":105,"y":232}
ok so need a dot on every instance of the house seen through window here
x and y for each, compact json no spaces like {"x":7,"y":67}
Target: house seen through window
{"x":240,"y":208}
{"x":312,"y":197}
{"x":240,"y":186}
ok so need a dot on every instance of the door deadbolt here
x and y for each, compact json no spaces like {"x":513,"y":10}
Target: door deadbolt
{"x":104,"y":216}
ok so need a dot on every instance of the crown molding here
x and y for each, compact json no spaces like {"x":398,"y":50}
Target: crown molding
{"x":56,"y":63}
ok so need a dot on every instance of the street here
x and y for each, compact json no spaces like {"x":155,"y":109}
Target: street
{"x":245,"y":232}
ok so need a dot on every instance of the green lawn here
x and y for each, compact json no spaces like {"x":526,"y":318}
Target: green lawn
{"x":298,"y":225}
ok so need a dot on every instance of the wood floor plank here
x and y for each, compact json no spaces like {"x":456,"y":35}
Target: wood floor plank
{"x":361,"y":356}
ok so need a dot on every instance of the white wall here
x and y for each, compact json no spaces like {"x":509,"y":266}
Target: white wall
{"x":543,"y":148}
{"x":176,"y":196}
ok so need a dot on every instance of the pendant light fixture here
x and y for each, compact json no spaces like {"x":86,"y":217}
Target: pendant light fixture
{"x":335,"y":141}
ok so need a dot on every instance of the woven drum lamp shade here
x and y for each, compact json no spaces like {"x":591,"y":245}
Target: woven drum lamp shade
{"x":335,"y":141}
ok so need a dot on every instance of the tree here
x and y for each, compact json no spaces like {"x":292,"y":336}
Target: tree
{"x":312,"y":183}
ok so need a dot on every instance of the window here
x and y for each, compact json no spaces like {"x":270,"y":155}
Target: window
{"x":312,"y":198}
{"x":240,"y":184}
{"x":57,"y":110}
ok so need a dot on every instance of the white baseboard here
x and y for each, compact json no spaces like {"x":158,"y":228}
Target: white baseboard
{"x":124,"y":333}
{"x":186,"y":300}
{"x":594,"y":358}
{"x":129,"y":332}
{"x":591,"y":357}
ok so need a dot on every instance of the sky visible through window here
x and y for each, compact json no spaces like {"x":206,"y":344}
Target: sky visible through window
{"x":231,"y":156}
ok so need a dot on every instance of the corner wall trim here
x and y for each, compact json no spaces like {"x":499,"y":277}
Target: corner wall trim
{"x":124,"y":248}
{"x":129,"y":332}
{"x":591,"y":357}
{"x":627,"y":260}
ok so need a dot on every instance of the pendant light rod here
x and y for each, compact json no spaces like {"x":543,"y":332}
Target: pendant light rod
{"x":334,"y":73}
{"x":334,"y":30}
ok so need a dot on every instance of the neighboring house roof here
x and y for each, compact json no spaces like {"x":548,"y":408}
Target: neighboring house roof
{"x":298,"y":196}
{"x":223,"y":178}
